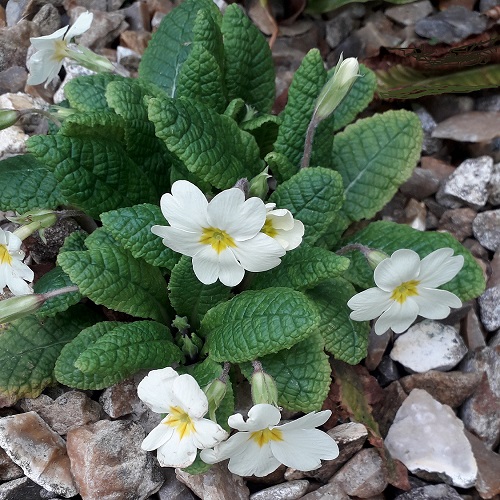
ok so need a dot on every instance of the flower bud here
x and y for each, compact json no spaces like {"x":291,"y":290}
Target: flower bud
{"x":337,"y":87}
{"x":264,"y":388}
{"x":375,"y":257}
{"x":8,"y":117}
{"x":258,"y":185}
{"x":35,"y":220}
{"x":17,"y":307}
{"x":215,"y":392}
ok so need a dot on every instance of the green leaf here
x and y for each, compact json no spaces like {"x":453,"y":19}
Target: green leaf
{"x":280,"y":166}
{"x":210,"y":145}
{"x":65,"y":371}
{"x":111,"y":276}
{"x":53,"y":280}
{"x":29,"y":349}
{"x":236,"y":109}
{"x":128,"y":348}
{"x":402,"y":82}
{"x":25,"y":184}
{"x":344,"y":338}
{"x":104,"y":124}
{"x":171,"y":44}
{"x":302,"y":374}
{"x":131,"y":227}
{"x":334,"y":231}
{"x":302,"y":268}
{"x":375,"y":156}
{"x":314,"y":196}
{"x":264,"y":128}
{"x":88,"y":93}
{"x":389,"y":237}
{"x":190,"y":297}
{"x":306,"y":85}
{"x":94,"y":174}
{"x":75,"y":241}
{"x":127,"y":98}
{"x":249,"y":63}
{"x":256,"y":323}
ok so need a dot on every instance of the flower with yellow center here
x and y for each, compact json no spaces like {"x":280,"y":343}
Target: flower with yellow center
{"x":183,"y":431}
{"x":407,"y":287}
{"x":262,"y":445}
{"x":223,"y":237}
{"x":13,"y":271}
{"x":281,"y":226}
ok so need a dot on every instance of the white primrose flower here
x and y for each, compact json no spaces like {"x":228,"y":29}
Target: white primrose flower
{"x":184,"y":430}
{"x":281,"y":226}
{"x":13,"y":271}
{"x":223,"y":237}
{"x":407,"y":287}
{"x":262,"y":445}
{"x":45,"y":64}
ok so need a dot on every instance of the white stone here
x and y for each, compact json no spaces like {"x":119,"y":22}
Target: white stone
{"x":429,"y":345}
{"x":12,"y":142}
{"x":427,"y":436}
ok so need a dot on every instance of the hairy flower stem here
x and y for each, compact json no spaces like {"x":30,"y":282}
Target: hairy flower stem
{"x":311,"y":130}
{"x":60,"y":291}
{"x":42,"y":112}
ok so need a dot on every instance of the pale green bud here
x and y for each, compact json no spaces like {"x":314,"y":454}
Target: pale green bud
{"x":17,"y":307}
{"x":258,"y":185}
{"x":375,"y":257}
{"x":35,"y":220}
{"x":215,"y":392}
{"x":264,"y":388}
{"x":8,"y":117}
{"x":90,"y":60}
{"x":337,"y":87}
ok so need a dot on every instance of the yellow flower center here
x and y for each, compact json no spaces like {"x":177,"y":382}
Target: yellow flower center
{"x":181,"y":421}
{"x":269,"y":229}
{"x":5,"y":257}
{"x":265,"y":435}
{"x":218,"y":238}
{"x":60,"y":50}
{"x":405,"y":290}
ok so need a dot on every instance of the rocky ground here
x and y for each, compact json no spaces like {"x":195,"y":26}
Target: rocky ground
{"x":439,"y":377}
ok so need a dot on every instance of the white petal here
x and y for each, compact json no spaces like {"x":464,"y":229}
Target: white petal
{"x":177,"y":452}
{"x":157,"y":437}
{"x":47,"y":42}
{"x":253,"y":460}
{"x":12,"y":241}
{"x":435,"y":304}
{"x":17,"y":285}
{"x":232,"y":447}
{"x":80,"y":26}
{"x":260,"y":417}
{"x":304,"y":449}
{"x":239,"y":218}
{"x":208,"y":434}
{"x":309,"y":421}
{"x":439,"y":267}
{"x":206,"y":265}
{"x":189,"y":396}
{"x":369,"y":304}
{"x":155,"y":389}
{"x":186,"y":207}
{"x":398,"y":317}
{"x":281,"y":219}
{"x":293,"y":237}
{"x":184,"y":242}
{"x":230,"y":271}
{"x":403,"y":265}
{"x":3,"y":237}
{"x":260,"y":253}
{"x":43,"y":67}
{"x":21,"y":270}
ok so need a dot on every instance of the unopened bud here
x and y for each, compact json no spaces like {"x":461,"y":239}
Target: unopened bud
{"x":35,"y":220}
{"x":258,"y":185}
{"x":215,"y":392}
{"x":264,"y":388}
{"x":17,"y":307}
{"x":8,"y":117}
{"x":375,"y":257}
{"x":337,"y":87}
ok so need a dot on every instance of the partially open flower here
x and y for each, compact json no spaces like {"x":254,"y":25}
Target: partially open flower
{"x":13,"y":271}
{"x":184,"y":430}
{"x":262,"y":445}
{"x":407,"y":287}
{"x":281,"y":226}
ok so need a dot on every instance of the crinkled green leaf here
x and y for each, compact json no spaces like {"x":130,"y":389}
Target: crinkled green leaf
{"x":302,"y":374}
{"x":249,"y":63}
{"x":111,"y":276}
{"x":128,"y":348}
{"x":29,"y":349}
{"x":264,"y":128}
{"x":190,"y":297}
{"x":375,"y":156}
{"x":94,"y":174}
{"x":26,"y":183}
{"x":256,"y":323}
{"x":302,"y":268}
{"x":131,"y":227}
{"x":314,"y":196}
{"x":127,"y":98}
{"x":104,"y":124}
{"x":171,"y":44}
{"x":53,"y":280}
{"x":236,"y":109}
{"x":346,"y":339}
{"x":210,"y":145}
{"x":334,"y":231}
{"x":75,"y":241}
{"x":306,"y":85}
{"x":88,"y":93}
{"x":280,"y":165}
{"x":389,"y":237}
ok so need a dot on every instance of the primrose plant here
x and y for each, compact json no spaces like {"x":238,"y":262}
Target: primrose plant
{"x":215,"y":240}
